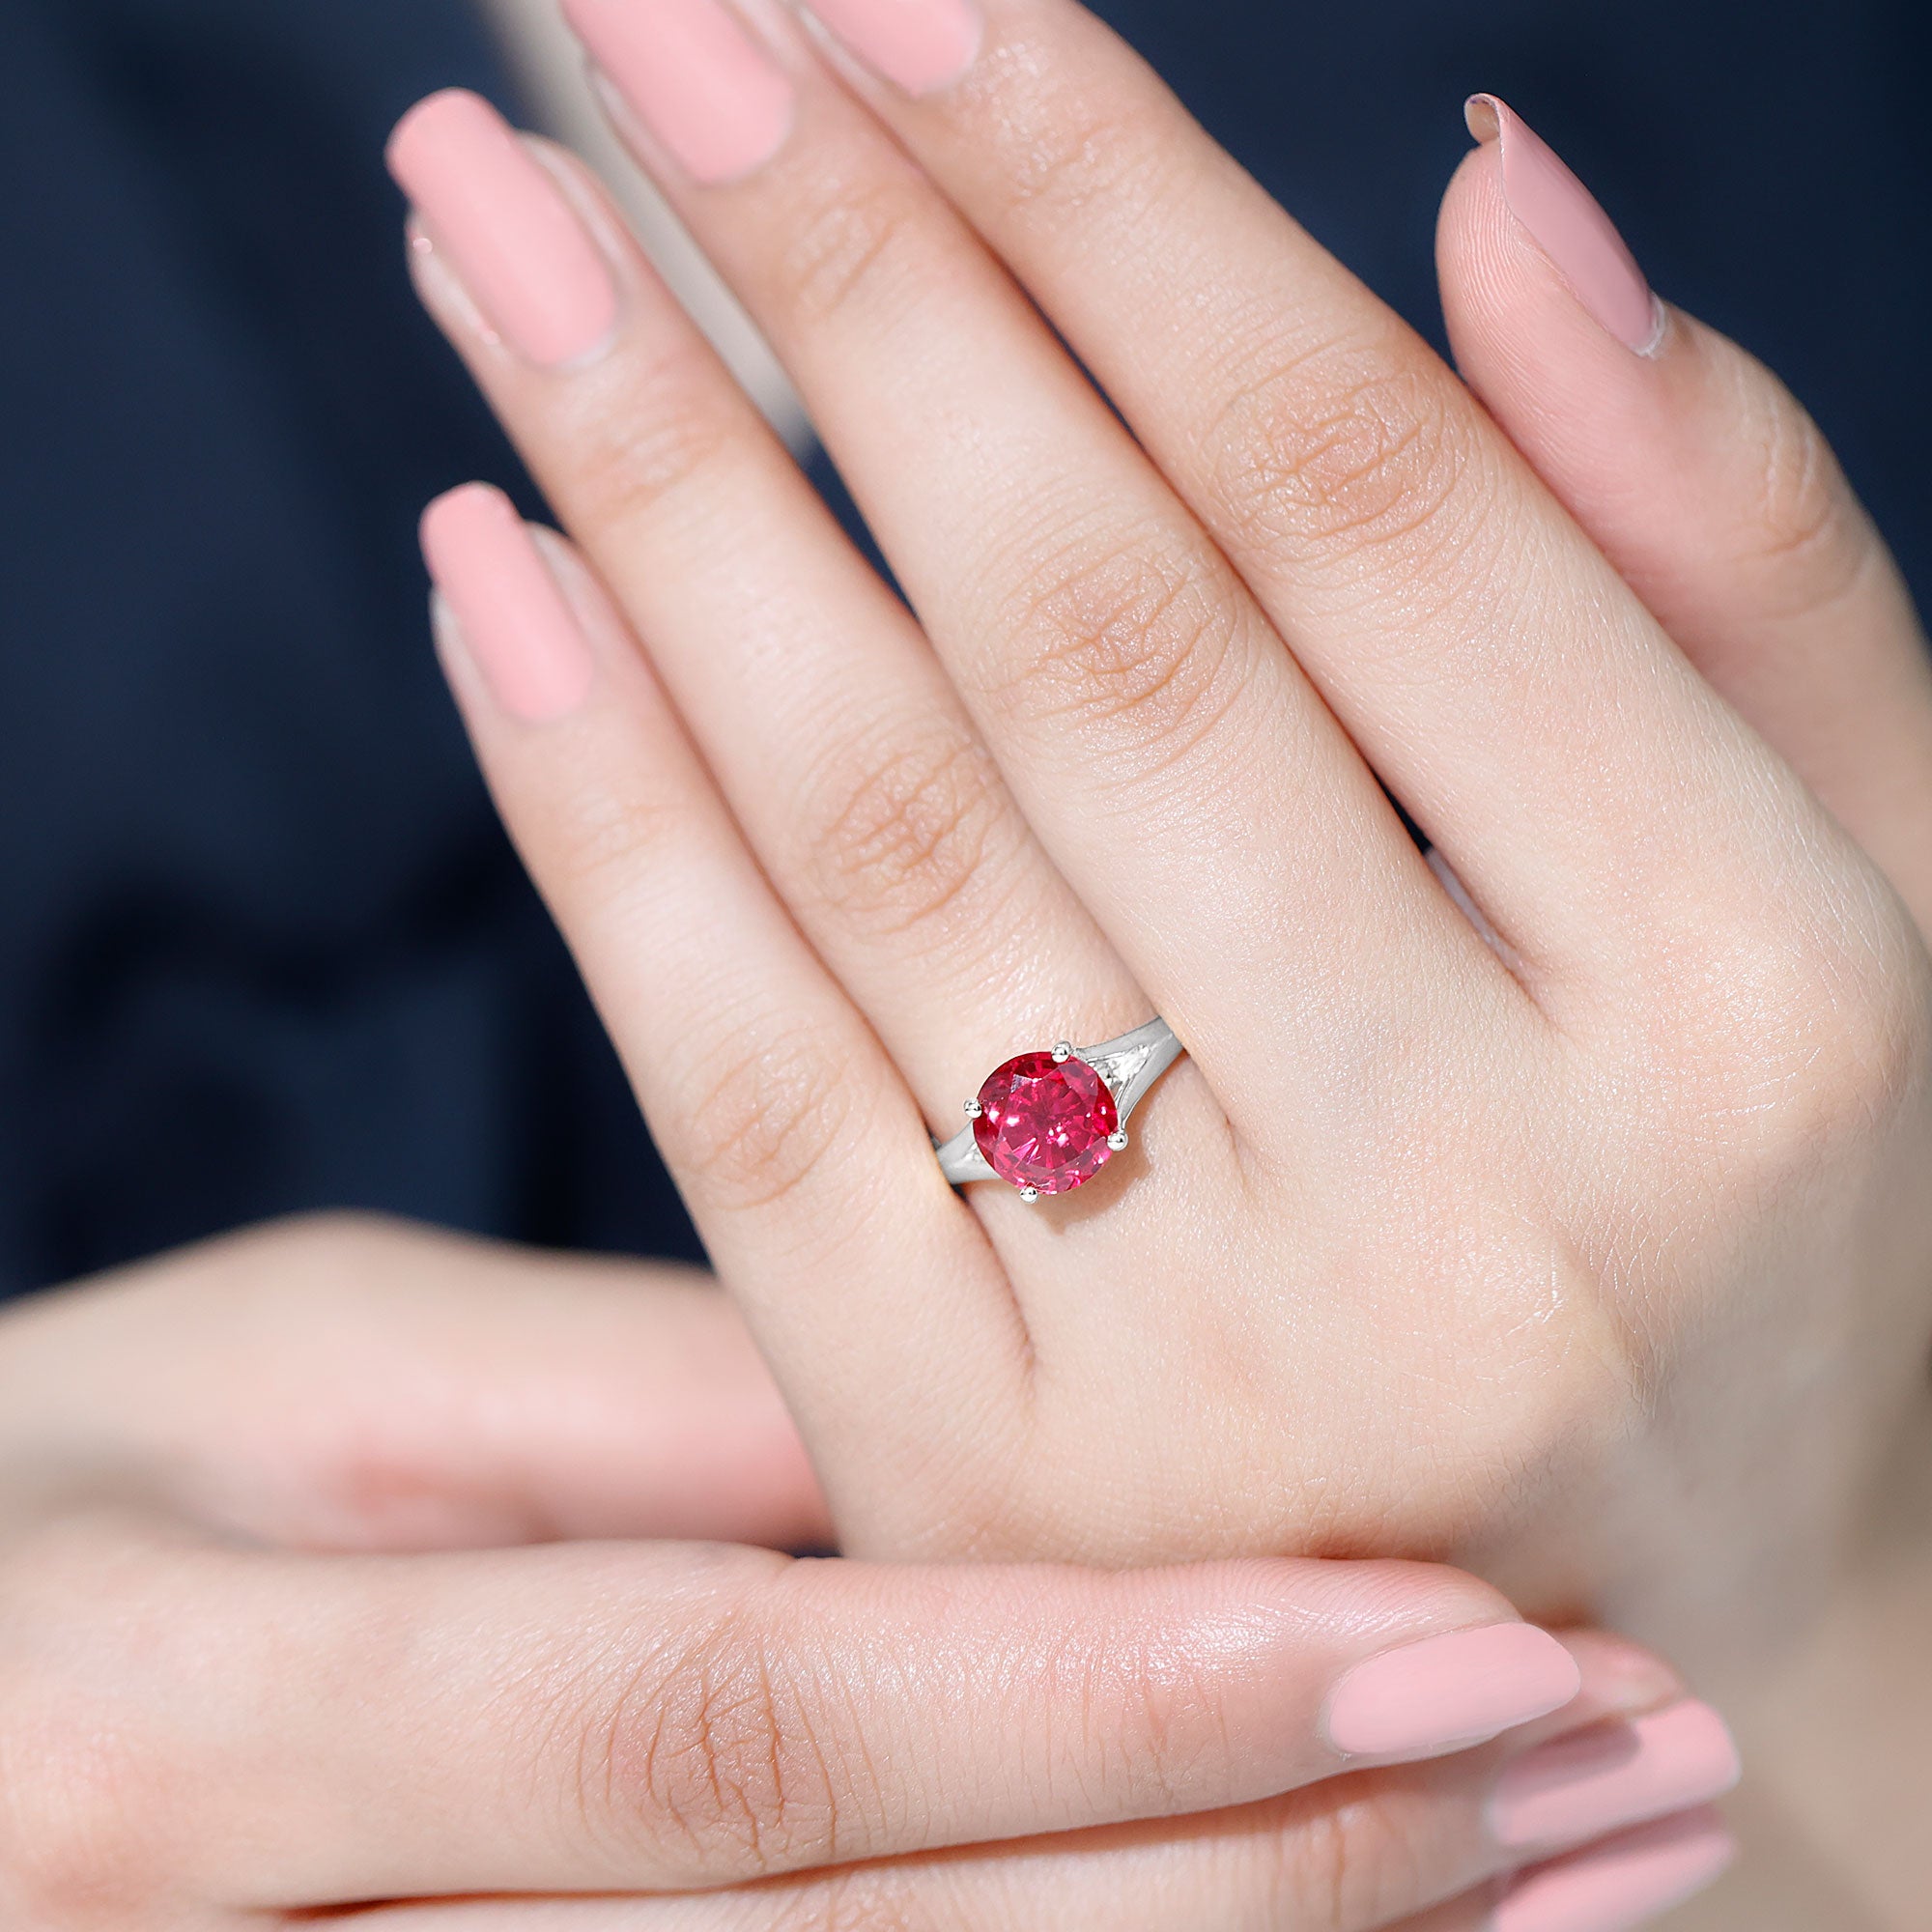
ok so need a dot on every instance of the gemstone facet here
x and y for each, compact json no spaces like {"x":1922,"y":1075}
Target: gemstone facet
{"x":1046,"y":1124}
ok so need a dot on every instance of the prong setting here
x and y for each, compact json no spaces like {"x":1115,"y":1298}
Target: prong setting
{"x":1052,"y":1140}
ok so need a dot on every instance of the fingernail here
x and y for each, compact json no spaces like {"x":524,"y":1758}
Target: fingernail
{"x":514,"y":240}
{"x":920,"y":44}
{"x":1448,"y":1692}
{"x":701,"y":86}
{"x":1565,"y":220}
{"x":1610,"y":1775}
{"x":1614,"y":1887}
{"x":516,"y":623}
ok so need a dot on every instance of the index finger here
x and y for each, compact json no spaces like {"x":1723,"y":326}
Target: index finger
{"x":647,"y":1718}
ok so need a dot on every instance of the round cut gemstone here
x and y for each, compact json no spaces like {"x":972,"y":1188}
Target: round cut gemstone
{"x":1044,"y":1123}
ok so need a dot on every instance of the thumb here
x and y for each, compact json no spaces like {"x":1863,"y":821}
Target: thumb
{"x":1700,"y":477}
{"x":350,"y":1382}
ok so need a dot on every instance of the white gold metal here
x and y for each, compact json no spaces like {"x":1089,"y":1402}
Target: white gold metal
{"x":1063,"y":1052}
{"x":1129,"y":1066}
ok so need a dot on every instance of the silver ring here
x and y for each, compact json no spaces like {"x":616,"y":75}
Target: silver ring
{"x":1046,"y":1122}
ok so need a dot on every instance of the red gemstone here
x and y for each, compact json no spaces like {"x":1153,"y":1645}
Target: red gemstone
{"x":1044,"y":1123}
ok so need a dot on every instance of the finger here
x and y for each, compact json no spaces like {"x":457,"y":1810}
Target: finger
{"x":837,"y":741}
{"x":807,"y":1168}
{"x":347,"y":1382}
{"x":1164,"y":746}
{"x":1493,"y":668}
{"x":1279,"y":1882}
{"x":1707,"y":486}
{"x":588,"y":1718}
{"x":1354,"y":1853}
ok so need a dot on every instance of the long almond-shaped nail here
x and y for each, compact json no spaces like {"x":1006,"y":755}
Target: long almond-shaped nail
{"x":1625,"y":1883}
{"x":1599,"y":1781}
{"x":1566,"y":222}
{"x":1449,"y":1691}
{"x":516,"y":623}
{"x":701,"y":86}
{"x":920,"y":44}
{"x":514,"y":242}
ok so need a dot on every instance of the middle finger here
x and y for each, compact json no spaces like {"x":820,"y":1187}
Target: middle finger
{"x":1161,"y":740}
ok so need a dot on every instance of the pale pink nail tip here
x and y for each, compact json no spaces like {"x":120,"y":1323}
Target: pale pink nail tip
{"x":1451,"y":1691}
{"x":1612,"y":1775}
{"x":694,"y":78}
{"x":1621,"y":1885}
{"x":919,"y":46}
{"x":1568,"y":223}
{"x":515,"y":621}
{"x":512,"y":239}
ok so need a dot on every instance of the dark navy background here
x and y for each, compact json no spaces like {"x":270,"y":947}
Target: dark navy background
{"x":261,"y":946}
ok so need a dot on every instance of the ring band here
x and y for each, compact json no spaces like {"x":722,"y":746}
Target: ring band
{"x":1048,"y":1122}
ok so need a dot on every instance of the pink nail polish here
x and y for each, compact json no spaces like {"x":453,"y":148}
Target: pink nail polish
{"x":694,"y":77}
{"x":1610,"y":1775}
{"x":518,"y":627}
{"x":1446,"y":1693}
{"x":508,"y":232}
{"x":1565,"y":220}
{"x":1614,"y":1887}
{"x":920,"y":44}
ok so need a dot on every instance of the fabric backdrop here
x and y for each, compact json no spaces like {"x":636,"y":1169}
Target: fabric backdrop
{"x":261,"y":946}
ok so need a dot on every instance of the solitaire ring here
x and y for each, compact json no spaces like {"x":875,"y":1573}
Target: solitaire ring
{"x":1048,"y":1122}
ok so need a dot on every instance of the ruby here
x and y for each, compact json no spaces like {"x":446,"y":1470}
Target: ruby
{"x":1043,"y":1122}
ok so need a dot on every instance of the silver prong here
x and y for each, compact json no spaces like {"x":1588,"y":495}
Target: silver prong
{"x":1118,"y":1140}
{"x":974,"y":1110}
{"x":1029,"y":1195}
{"x":1062,"y":1050}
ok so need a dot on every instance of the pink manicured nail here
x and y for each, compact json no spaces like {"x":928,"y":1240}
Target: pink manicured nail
{"x":1614,"y":1887}
{"x":1447,"y":1691}
{"x":694,"y":77}
{"x":920,"y":44}
{"x":512,"y":238}
{"x":1565,"y":220}
{"x":516,"y":623}
{"x":1599,"y":1781}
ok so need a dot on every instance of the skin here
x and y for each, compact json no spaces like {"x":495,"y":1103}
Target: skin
{"x":1739,"y":1024}
{"x":1615,"y":1149}
{"x":332,"y":1571}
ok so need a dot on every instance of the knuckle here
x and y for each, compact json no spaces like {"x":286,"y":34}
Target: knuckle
{"x":1801,"y":541}
{"x":1084,"y":162}
{"x":868,"y":1899}
{"x":846,"y":243}
{"x":1135,"y":639}
{"x":764,"y":1115}
{"x":897,"y":836}
{"x":1343,"y":449}
{"x":1346,"y":1864}
{"x":632,"y":465}
{"x":1818,"y":1034}
{"x":603,"y":839}
{"x":715,"y":1748}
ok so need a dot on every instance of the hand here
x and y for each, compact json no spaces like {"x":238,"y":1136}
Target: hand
{"x":264,"y":1662}
{"x":1575,"y":1234}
